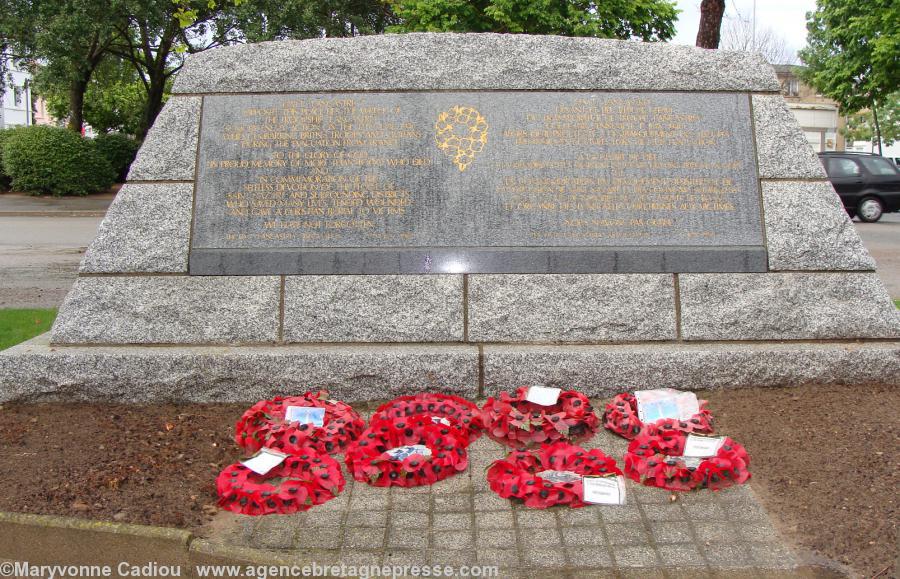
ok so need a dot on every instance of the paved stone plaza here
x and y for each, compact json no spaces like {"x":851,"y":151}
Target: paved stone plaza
{"x":459,"y":521}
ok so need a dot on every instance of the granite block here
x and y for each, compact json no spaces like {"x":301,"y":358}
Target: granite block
{"x":146,"y":229}
{"x":608,"y":370}
{"x":169,"y":151}
{"x":807,"y":228}
{"x":360,"y":308}
{"x":784,"y":306}
{"x":470,"y":61}
{"x":169,"y":310}
{"x":533,"y":308}
{"x":35,"y":371}
{"x":781,"y":146}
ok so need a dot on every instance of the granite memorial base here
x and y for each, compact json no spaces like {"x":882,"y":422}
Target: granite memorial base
{"x":466,"y":213}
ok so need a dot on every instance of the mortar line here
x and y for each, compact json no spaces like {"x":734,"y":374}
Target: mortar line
{"x":480,"y":371}
{"x":194,"y":188}
{"x":759,"y":192}
{"x":616,"y":90}
{"x":676,"y":284}
{"x":465,"y":307}
{"x":281,"y":311}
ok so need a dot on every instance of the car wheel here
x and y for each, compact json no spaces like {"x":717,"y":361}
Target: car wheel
{"x":870,"y":210}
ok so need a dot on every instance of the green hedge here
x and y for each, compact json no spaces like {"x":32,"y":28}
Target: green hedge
{"x":119,"y":150}
{"x":43,"y":159}
{"x":4,"y":178}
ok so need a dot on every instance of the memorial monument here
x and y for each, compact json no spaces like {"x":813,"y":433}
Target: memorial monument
{"x":466,"y":213}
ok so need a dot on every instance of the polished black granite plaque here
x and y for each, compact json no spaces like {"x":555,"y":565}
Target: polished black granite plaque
{"x":476,"y":182}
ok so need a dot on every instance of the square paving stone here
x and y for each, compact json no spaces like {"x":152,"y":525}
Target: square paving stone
{"x":537,"y":538}
{"x":460,"y":483}
{"x":453,"y":540}
{"x":735,"y":493}
{"x":409,"y":520}
{"x":452,"y":503}
{"x":497,"y":557}
{"x":359,"y":538}
{"x":664,"y":512}
{"x":647,"y":495}
{"x":371,"y":519}
{"x":407,"y":538}
{"x":756,"y":531}
{"x":491,"y":502}
{"x":356,"y":558}
{"x":360,"y":503}
{"x":494,"y":520}
{"x":714,"y":532}
{"x":541,"y":519}
{"x":635,"y":556}
{"x":583,"y":536}
{"x":451,"y":557}
{"x":318,"y":519}
{"x":674,"y":532}
{"x":619,"y":514}
{"x":626,"y":534}
{"x":545,"y":558}
{"x":589,"y":556}
{"x":705,"y":512}
{"x":451,"y":521}
{"x":578,"y":517}
{"x":680,"y":555}
{"x":728,"y":555}
{"x":275,"y":532}
{"x":405,"y":557}
{"x":325,"y":538}
{"x":739,"y":511}
{"x":493,"y":539}
{"x":404,"y":502}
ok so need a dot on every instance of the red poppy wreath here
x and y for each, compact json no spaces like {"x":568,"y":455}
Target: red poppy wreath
{"x":266,"y":425}
{"x":407,"y":452}
{"x":297,"y":484}
{"x":551,"y":478}
{"x":654,"y":458}
{"x":621,"y":417}
{"x":458,"y":412}
{"x":516,"y":422}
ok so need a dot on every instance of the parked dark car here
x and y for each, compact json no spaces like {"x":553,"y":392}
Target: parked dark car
{"x":868,"y":184}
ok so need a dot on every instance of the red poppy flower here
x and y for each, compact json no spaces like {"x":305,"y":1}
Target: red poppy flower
{"x":523,"y":475}
{"x":621,"y":417}
{"x":297,"y":484}
{"x":516,"y":422}
{"x":654,"y":459}
{"x":461,"y":413}
{"x":264,"y":425}
{"x":369,"y":461}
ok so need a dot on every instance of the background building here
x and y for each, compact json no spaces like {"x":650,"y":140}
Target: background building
{"x":817,"y":115}
{"x":15,"y":104}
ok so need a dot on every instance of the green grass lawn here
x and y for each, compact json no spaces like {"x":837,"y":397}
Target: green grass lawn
{"x":897,"y":303}
{"x":16,"y":326}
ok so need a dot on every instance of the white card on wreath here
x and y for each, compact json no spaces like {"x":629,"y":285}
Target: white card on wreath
{"x":542,"y":395}
{"x":603,"y":490}
{"x":305,"y":415}
{"x":702,"y":446}
{"x":264,"y":461}
{"x":653,"y":405}
{"x":404,"y":452}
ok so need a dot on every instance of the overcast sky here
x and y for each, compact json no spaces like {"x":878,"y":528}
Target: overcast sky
{"x":786,"y":17}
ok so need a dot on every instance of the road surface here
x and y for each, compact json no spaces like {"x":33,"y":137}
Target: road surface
{"x":39,"y":256}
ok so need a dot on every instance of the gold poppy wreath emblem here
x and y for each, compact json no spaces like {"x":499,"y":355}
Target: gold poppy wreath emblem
{"x":461,"y":133}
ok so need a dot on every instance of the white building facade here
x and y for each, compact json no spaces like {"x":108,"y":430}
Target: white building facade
{"x":15,"y":104}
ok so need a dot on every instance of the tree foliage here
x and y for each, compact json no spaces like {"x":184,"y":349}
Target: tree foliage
{"x":861,"y":125}
{"x":625,"y":19}
{"x":852,"y":52}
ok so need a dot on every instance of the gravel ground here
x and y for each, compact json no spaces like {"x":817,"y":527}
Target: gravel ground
{"x":825,"y":463}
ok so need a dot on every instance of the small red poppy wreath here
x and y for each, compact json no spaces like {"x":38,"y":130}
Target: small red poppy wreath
{"x":654,"y":458}
{"x":297,"y":484}
{"x":459,"y":412}
{"x":407,"y":452}
{"x":265,"y":425}
{"x":516,"y":422}
{"x":552,"y":478}
{"x":621,"y":417}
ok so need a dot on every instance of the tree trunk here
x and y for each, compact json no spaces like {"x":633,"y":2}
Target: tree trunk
{"x":155,"y":90}
{"x":877,"y":126}
{"x":76,"y":104}
{"x":711,"y":13}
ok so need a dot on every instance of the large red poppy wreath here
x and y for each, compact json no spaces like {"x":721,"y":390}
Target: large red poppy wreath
{"x":621,"y":417}
{"x":444,"y":452}
{"x":459,"y":412}
{"x":264,"y":425}
{"x":654,"y":459}
{"x":518,"y":476}
{"x":297,"y":484}
{"x":516,"y":422}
